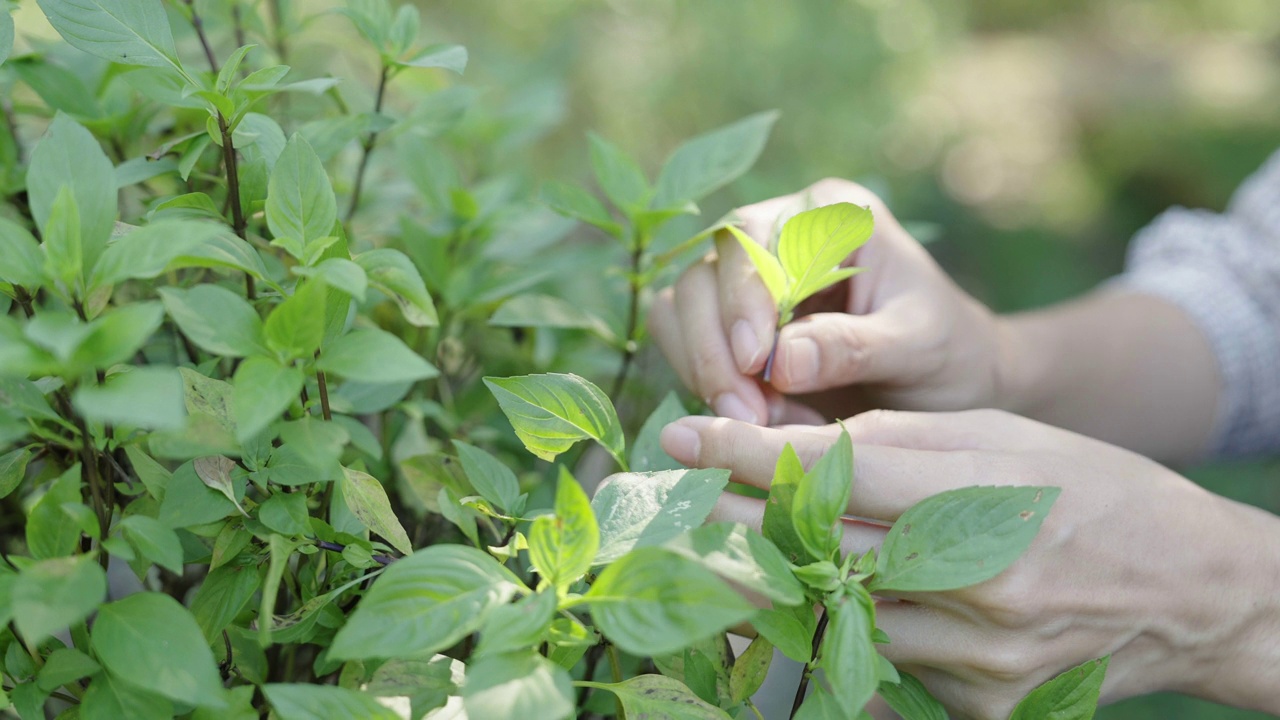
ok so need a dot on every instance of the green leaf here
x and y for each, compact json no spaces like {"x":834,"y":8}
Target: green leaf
{"x":126,"y":640}
{"x":552,"y":412}
{"x":303,"y":701}
{"x":317,"y":443}
{"x":572,"y":201}
{"x":424,"y":603}
{"x":189,"y":501}
{"x":66,"y":665}
{"x":63,"y":249}
{"x":50,"y":534}
{"x":750,"y":669}
{"x":815,"y":242}
{"x":129,"y":32}
{"x":821,"y":499}
{"x":110,"y":699}
{"x":562,"y":546}
{"x":427,"y":683}
{"x":117,"y":335}
{"x":286,"y":513}
{"x":295,"y":328}
{"x":374,"y":356}
{"x":6,"y":35}
{"x":737,"y":553}
{"x":23,"y":263}
{"x":1073,"y":695}
{"x":645,"y":509}
{"x":778,"y":527}
{"x":519,"y":626}
{"x":225,"y":592}
{"x":69,"y":156}
{"x":767,"y":266}
{"x":848,"y":658}
{"x":652,"y":601}
{"x":13,"y":468}
{"x":51,"y":595}
{"x":144,"y":397}
{"x":448,"y":57}
{"x":656,"y":697}
{"x":538,"y":310}
{"x":647,"y":454}
{"x":301,"y":208}
{"x":961,"y":537}
{"x":822,"y":705}
{"x":790,"y":629}
{"x":494,"y":481}
{"x":618,"y":175}
{"x":912,"y":700}
{"x":262,"y":389}
{"x":216,"y":319}
{"x":511,"y":684}
{"x":150,"y":250}
{"x":367,"y":499}
{"x":155,"y":541}
{"x":339,"y":274}
{"x":394,"y":274}
{"x":708,"y":162}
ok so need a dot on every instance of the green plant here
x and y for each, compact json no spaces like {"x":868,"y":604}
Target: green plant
{"x":227,"y":400}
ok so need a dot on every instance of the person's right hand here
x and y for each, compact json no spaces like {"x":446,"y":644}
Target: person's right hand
{"x":898,"y":335}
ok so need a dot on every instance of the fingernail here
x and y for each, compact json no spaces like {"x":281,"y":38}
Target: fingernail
{"x":681,"y":443}
{"x":746,"y":345}
{"x":801,"y":366}
{"x":731,"y":406}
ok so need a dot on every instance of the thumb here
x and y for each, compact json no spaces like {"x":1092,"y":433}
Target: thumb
{"x":828,"y":350}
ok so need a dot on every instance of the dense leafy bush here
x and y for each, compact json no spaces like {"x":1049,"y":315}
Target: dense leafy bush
{"x":242,"y":484}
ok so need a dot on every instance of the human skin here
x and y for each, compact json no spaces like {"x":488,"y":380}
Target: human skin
{"x":1126,"y":368}
{"x":1179,"y":586}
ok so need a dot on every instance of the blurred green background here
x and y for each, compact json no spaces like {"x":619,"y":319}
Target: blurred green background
{"x":1033,"y":138}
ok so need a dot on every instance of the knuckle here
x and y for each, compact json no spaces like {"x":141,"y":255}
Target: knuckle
{"x":850,"y":355}
{"x":1007,"y":661}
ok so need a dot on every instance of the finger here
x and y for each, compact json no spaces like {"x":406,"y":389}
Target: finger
{"x":834,"y":349}
{"x":747,"y":310}
{"x":715,"y":375}
{"x":859,"y":536}
{"x":977,"y":430}
{"x":664,"y":328}
{"x":784,"y":411}
{"x":925,"y":635}
{"x":887,"y":480}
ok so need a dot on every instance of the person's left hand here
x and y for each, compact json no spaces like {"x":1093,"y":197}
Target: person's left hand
{"x":1133,"y":560}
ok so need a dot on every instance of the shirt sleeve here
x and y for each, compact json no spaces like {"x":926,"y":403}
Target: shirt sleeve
{"x":1223,"y":271}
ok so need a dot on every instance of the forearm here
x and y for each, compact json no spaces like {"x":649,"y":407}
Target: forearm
{"x":1125,"y":368}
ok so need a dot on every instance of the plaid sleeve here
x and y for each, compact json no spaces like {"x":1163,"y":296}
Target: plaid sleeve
{"x":1223,"y":271}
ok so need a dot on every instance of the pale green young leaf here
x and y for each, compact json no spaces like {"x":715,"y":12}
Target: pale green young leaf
{"x":304,"y":701}
{"x":142,"y":397}
{"x":368,"y":501}
{"x":215,"y":319}
{"x":301,"y":208}
{"x":446,"y":57}
{"x":66,"y":665}
{"x":1073,"y":695}
{"x":262,"y":389}
{"x":394,"y":274}
{"x":645,"y":509}
{"x":661,"y":698}
{"x":374,"y":356}
{"x":155,"y":541}
{"x":110,"y":699}
{"x":424,"y":603}
{"x":63,"y":250}
{"x":750,"y":669}
{"x":961,"y":537}
{"x":295,"y":328}
{"x":538,"y":310}
{"x":519,"y":626}
{"x":621,"y":179}
{"x":562,"y":546}
{"x":814,"y":243}
{"x":553,"y":411}
{"x":372,"y":19}
{"x":232,"y":66}
{"x":737,"y":553}
{"x":574,"y":202}
{"x":767,"y":266}
{"x":68,"y":155}
{"x":150,"y":250}
{"x":652,"y":601}
{"x":847,"y":657}
{"x":647,"y":454}
{"x":511,"y":684}
{"x":129,"y":32}
{"x":54,"y":594}
{"x":710,"y":161}
{"x":778,"y":526}
{"x":404,"y":30}
{"x":23,"y":263}
{"x":494,"y":481}
{"x":821,"y":499}
{"x":911,"y":699}
{"x":340,"y":274}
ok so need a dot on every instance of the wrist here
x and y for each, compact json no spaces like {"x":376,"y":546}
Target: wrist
{"x":1019,"y":373}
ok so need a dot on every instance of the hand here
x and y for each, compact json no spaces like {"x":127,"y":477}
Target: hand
{"x":1176,"y":584}
{"x":901,"y":334}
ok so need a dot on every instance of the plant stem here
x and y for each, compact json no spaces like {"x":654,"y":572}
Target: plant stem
{"x":322,"y":383}
{"x":367,"y":146}
{"x":277,"y":31}
{"x":89,"y":468}
{"x":773,"y":353}
{"x":237,"y":20}
{"x":616,"y":667}
{"x":198,"y":24}
{"x":808,"y":669}
{"x":633,"y":320}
